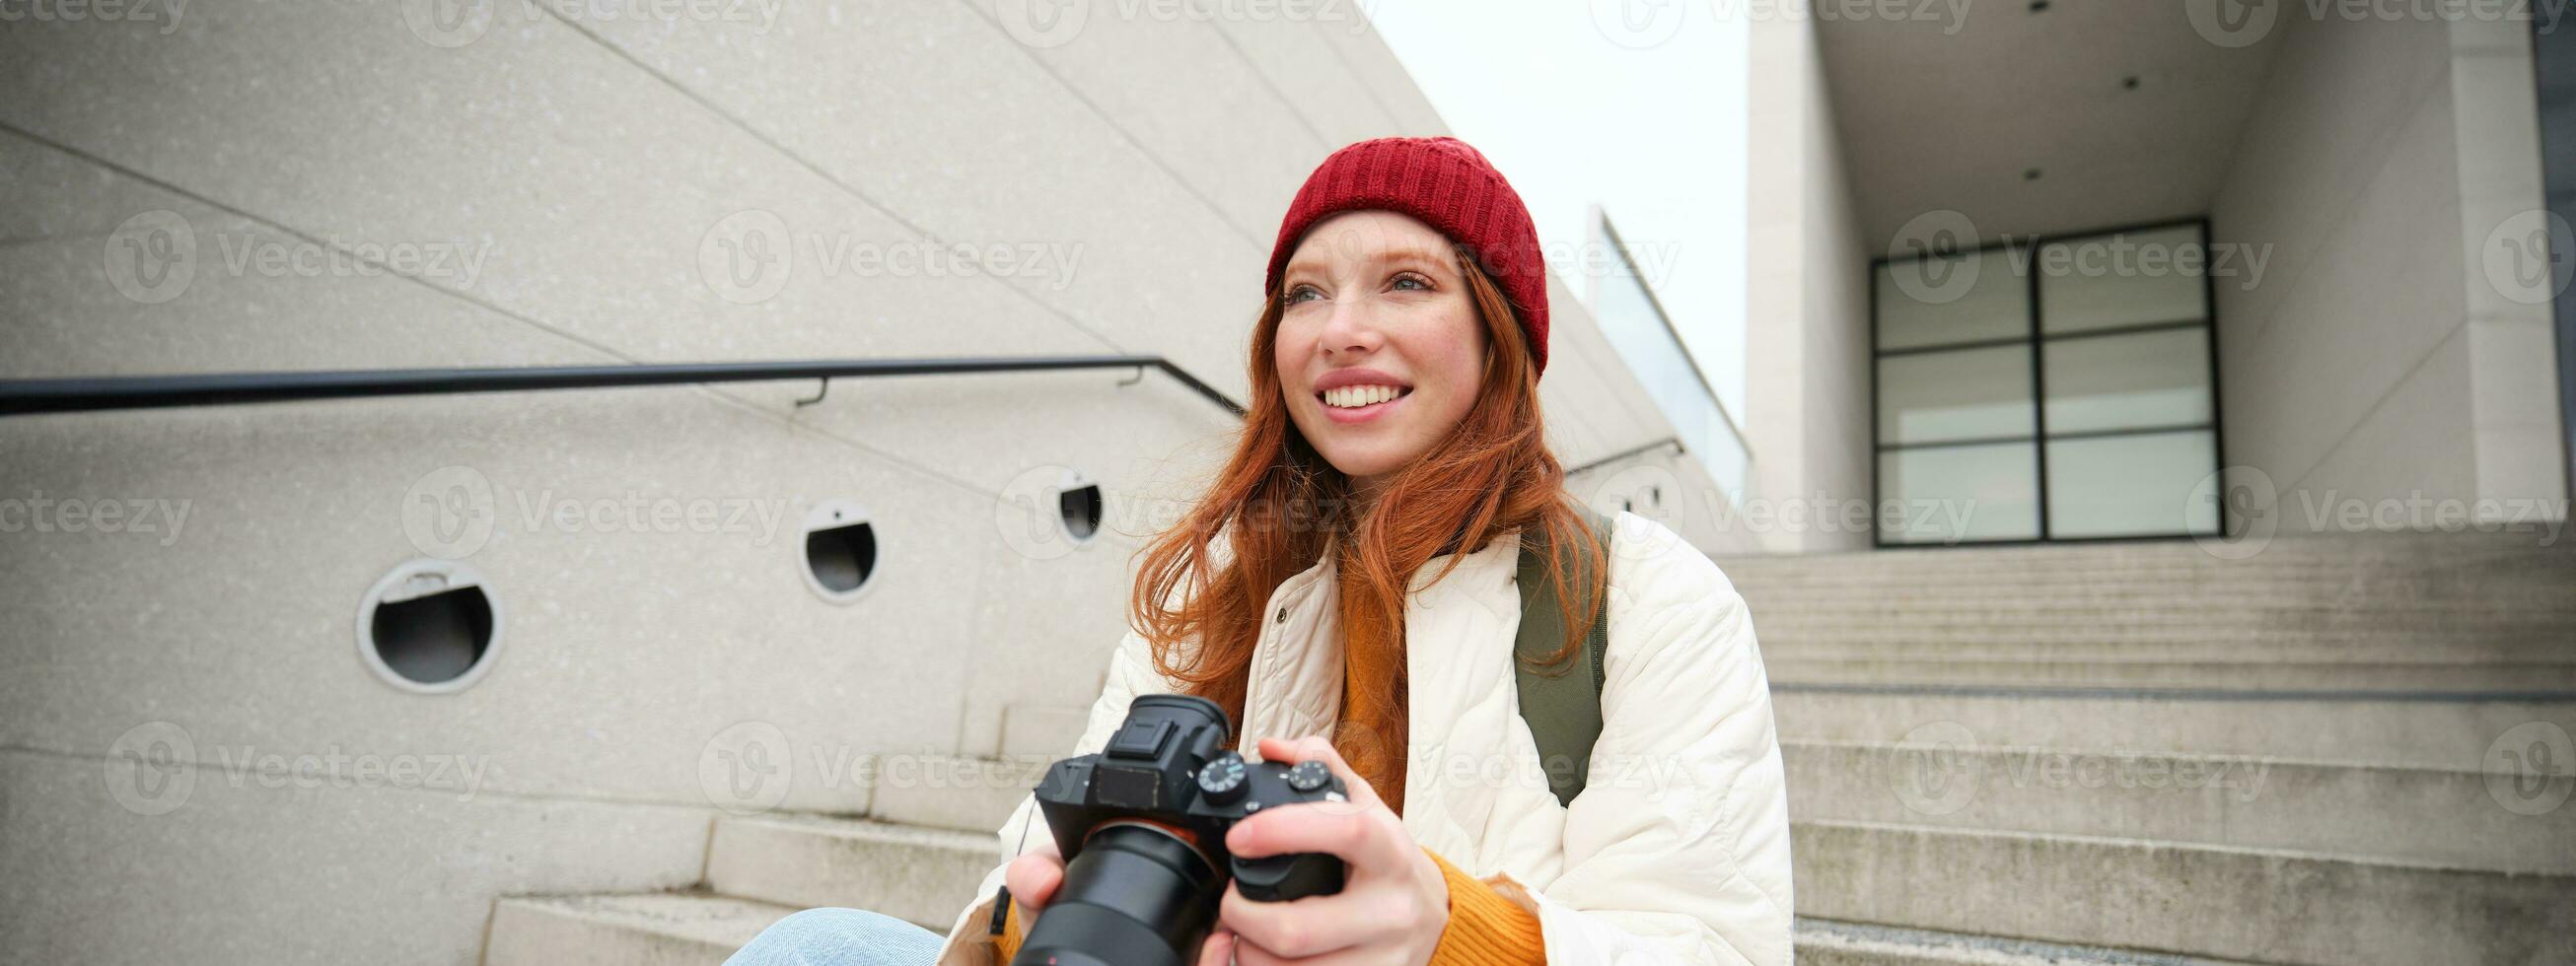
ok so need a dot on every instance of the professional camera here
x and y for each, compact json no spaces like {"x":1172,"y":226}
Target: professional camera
{"x":1142,"y":827}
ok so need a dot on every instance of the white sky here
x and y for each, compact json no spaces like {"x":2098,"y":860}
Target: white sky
{"x":1643,"y":116}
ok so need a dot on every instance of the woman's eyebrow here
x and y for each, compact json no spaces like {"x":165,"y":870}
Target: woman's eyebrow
{"x":1438,"y":258}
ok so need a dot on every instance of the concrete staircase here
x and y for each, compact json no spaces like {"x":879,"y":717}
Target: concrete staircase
{"x":2309,"y":756}
{"x":2127,"y":753}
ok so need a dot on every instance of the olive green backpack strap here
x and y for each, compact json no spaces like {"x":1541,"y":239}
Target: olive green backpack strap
{"x":1563,"y":709}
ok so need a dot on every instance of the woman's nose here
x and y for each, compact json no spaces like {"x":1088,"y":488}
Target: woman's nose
{"x":1352,"y":328}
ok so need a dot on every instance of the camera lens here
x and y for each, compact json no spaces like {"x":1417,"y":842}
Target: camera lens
{"x":1137,"y":895}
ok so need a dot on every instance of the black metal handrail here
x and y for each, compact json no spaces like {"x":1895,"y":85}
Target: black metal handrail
{"x":26,"y":397}
{"x":23,"y":397}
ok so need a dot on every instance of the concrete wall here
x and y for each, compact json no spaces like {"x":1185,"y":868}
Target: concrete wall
{"x":1807,"y":303}
{"x":2387,"y":351}
{"x":587,"y":184}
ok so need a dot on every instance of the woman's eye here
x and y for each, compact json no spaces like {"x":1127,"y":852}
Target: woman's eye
{"x":1299,"y":294}
{"x":1416,"y":282}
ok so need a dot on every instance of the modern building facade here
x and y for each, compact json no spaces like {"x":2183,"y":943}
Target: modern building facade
{"x":2067,"y":261}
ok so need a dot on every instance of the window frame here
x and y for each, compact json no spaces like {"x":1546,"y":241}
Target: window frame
{"x":2036,"y":339}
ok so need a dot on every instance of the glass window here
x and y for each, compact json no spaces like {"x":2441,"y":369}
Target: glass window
{"x":2124,"y":425}
{"x":2121,"y":279}
{"x":2130,"y":485}
{"x":1936,"y":397}
{"x":1947,"y":494}
{"x":1934,"y":300}
{"x":2140,"y":380}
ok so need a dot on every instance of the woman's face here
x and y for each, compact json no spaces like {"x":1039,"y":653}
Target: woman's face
{"x":1379,"y":348}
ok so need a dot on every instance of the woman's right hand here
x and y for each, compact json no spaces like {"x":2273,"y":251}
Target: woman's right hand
{"x":1034,"y":875}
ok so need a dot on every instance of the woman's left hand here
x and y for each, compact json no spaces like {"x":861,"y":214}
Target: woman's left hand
{"x":1393,"y":904}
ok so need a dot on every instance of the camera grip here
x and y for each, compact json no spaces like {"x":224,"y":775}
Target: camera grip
{"x":1280,"y":878}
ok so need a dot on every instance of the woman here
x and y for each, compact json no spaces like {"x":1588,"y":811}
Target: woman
{"x":1346,"y":594}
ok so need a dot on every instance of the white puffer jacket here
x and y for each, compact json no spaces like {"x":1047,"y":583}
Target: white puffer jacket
{"x":1678,"y":849}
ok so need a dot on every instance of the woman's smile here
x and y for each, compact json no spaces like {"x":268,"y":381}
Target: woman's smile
{"x":1359,"y":395}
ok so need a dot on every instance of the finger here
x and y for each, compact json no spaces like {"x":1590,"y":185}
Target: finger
{"x":1370,"y":840}
{"x":1312,"y":748}
{"x":1218,"y":950}
{"x":1032,"y":879}
{"x":1308,"y":927}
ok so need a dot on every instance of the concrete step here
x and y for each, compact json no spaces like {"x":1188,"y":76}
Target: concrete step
{"x":654,"y":929}
{"x":1792,"y":666}
{"x":2408,"y":815}
{"x":2375,"y":553}
{"x":1824,"y":942}
{"x":2451,"y":732}
{"x":2269,"y":906}
{"x":2046,"y":617}
{"x":919,"y":875}
{"x":962,"y":793}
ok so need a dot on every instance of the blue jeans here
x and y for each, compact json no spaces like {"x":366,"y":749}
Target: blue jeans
{"x":840,"y":937}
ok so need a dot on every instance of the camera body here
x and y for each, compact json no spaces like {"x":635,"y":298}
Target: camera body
{"x":1142,"y":828}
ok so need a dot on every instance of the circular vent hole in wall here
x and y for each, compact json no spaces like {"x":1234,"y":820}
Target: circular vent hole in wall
{"x":840,"y":551}
{"x":1079,"y":505}
{"x":431,"y":626}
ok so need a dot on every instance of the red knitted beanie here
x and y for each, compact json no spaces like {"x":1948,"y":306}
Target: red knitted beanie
{"x":1447,"y":185}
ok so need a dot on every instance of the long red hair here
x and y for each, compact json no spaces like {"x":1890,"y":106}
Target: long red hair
{"x":1277,"y":500}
